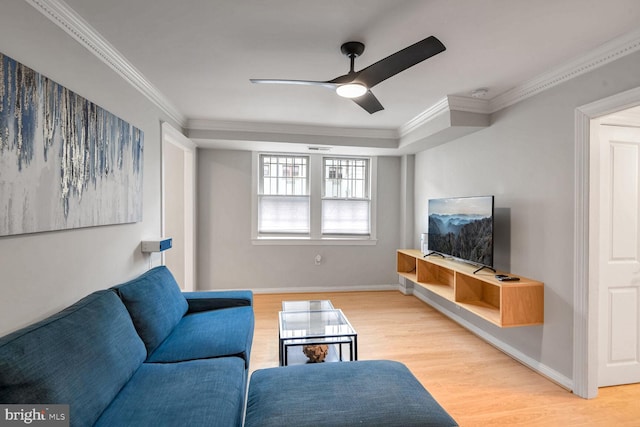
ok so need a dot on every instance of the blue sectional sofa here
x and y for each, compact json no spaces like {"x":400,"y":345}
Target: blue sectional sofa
{"x":372,"y":393}
{"x":142,"y":353}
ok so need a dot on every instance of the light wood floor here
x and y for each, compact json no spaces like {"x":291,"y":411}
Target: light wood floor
{"x":476,"y":383}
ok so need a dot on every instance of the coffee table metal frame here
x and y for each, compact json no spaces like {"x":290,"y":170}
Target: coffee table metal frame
{"x":343,"y":334}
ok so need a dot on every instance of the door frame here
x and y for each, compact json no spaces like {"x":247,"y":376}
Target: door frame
{"x":172,"y":136}
{"x":585,"y":290}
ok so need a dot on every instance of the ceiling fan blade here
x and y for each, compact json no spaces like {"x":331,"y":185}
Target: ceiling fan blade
{"x":328,"y":85}
{"x":369,"y":102}
{"x":400,"y":61}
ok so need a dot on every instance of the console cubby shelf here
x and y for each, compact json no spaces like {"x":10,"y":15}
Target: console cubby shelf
{"x":505,"y":304}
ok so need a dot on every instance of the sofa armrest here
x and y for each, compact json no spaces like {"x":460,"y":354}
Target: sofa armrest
{"x":213,"y":300}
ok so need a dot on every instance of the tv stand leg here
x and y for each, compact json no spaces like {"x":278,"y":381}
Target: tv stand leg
{"x":433,"y":253}
{"x":483,"y":267}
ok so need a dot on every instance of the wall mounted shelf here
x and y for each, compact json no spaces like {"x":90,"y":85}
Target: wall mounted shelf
{"x":505,"y":304}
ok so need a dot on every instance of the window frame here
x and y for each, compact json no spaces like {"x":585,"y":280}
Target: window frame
{"x":338,"y":172}
{"x":316,"y":183}
{"x":290,"y":178}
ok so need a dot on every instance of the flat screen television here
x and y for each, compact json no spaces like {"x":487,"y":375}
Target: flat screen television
{"x":462,"y":228}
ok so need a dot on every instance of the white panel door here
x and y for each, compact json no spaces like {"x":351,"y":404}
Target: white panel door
{"x":619,"y":256}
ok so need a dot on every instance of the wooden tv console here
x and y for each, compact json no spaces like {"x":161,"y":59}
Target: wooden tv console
{"x":505,"y":304}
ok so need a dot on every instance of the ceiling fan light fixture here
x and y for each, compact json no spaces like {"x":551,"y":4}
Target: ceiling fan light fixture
{"x":351,"y":90}
{"x":357,"y":85}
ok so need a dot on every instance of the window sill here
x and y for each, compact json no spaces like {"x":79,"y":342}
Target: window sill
{"x":274,"y":241}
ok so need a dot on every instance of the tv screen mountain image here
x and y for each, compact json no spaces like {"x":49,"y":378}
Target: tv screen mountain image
{"x":462,"y":228}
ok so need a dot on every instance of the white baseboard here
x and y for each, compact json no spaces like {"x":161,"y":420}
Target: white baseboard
{"x":516,"y":354}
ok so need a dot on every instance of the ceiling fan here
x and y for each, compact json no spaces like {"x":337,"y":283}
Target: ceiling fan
{"x":357,"y":84}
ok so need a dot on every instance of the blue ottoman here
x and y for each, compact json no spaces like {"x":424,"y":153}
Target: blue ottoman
{"x":367,"y":393}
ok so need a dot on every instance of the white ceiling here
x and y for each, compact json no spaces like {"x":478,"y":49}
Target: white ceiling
{"x":200,"y":54}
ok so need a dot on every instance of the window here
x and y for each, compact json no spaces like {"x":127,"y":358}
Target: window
{"x":314,"y":198}
{"x":345,"y":196}
{"x":283,"y":198}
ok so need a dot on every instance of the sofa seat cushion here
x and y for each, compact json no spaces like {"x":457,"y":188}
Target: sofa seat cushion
{"x":196,"y":393}
{"x":368,"y":393}
{"x":209,"y":334}
{"x":81,"y":356}
{"x":155,"y":303}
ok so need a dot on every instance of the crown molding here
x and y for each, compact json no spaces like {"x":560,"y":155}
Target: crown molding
{"x":445,"y":105}
{"x":73,"y":24}
{"x":66,"y":18}
{"x":606,"y":53}
{"x":426,"y":116}
{"x":290,"y":128}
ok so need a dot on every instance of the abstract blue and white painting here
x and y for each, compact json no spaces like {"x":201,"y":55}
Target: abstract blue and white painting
{"x":64,"y":161}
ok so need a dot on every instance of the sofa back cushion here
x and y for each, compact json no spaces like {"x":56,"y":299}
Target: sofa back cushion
{"x":81,"y":356}
{"x":155,"y":303}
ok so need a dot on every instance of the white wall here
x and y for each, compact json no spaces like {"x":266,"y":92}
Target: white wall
{"x":44,"y":272}
{"x":228,"y":259}
{"x":526,"y":159}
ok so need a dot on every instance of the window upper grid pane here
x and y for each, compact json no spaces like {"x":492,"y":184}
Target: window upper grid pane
{"x":345,"y":178}
{"x":284,"y":175}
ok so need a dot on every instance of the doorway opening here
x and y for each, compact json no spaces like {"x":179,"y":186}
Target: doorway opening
{"x":178,"y":204}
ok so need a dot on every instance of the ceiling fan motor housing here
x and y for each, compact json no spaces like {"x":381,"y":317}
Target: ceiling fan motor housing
{"x":354,"y":49}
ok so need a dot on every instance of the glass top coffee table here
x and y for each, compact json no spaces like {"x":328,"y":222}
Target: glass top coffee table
{"x":313,"y":323}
